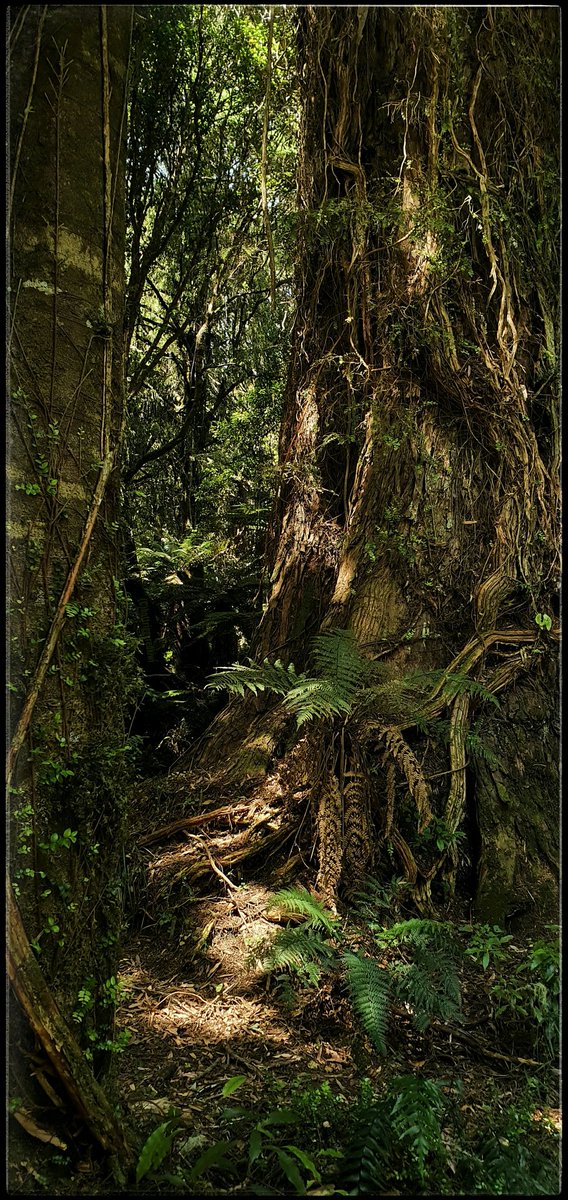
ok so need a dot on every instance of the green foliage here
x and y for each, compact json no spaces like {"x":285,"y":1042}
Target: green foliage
{"x":364,"y":1168}
{"x":478,"y":748}
{"x":369,"y":987}
{"x":429,"y":986}
{"x":264,"y":1149}
{"x":438,"y":833}
{"x":417,"y":931}
{"x":257,"y":677}
{"x":416,"y":1116}
{"x":233,"y":1084}
{"x":341,"y":668}
{"x":299,"y":901}
{"x":209,"y":350}
{"x":156,"y":1147}
{"x":214,"y":1156}
{"x":486,"y":943}
{"x":513,"y":1170}
{"x":531,"y":993}
{"x":301,"y":951}
{"x":512,"y":1153}
{"x":395,"y":1137}
{"x":544,"y":621}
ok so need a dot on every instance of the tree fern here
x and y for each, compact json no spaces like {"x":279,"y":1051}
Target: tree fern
{"x":299,"y":901}
{"x":364,"y":1167}
{"x":369,"y":987}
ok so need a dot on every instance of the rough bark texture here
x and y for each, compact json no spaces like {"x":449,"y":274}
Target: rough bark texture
{"x":418,"y":498}
{"x":68,"y":68}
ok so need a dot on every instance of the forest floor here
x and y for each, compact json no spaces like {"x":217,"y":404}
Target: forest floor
{"x":246,"y":1094}
{"x":200,"y":1015}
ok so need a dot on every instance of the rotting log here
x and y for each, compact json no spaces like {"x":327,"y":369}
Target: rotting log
{"x":59,"y":1043}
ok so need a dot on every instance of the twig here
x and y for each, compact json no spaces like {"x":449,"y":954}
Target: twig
{"x":219,"y":872}
{"x":239,"y":1058}
{"x":58,"y":620}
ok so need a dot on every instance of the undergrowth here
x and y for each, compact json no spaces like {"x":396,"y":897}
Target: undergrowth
{"x":411,"y":1139}
{"x":411,"y":1134}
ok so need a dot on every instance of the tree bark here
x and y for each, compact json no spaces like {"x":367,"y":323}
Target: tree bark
{"x":418,"y":501}
{"x":68,"y":80}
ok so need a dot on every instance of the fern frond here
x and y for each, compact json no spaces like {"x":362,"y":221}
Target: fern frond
{"x":479,"y":749}
{"x":364,"y":1166}
{"x":374,"y":899}
{"x":458,"y":683}
{"x":257,"y":677}
{"x":300,"y":901}
{"x":451,"y":684}
{"x":317,"y":698}
{"x":416,"y":1115}
{"x":419,"y":931}
{"x":297,"y":950}
{"x":430,"y":987}
{"x":515,"y":1170}
{"x":336,"y":656}
{"x":369,"y":986}
{"x":408,"y":763}
{"x":412,"y":987}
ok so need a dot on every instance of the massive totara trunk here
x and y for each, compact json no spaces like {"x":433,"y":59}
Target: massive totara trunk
{"x":67,"y":790}
{"x":418,"y":499}
{"x":418,"y":496}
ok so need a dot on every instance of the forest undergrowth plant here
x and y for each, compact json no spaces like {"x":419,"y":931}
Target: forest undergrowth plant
{"x":268,"y":1150}
{"x":340,"y":672}
{"x":514,"y":1149}
{"x":415,"y":1138}
{"x":487,"y":944}
{"x":529,"y":996}
{"x":417,"y":967}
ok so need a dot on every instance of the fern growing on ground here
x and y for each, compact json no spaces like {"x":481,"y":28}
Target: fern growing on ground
{"x":396,"y":1134}
{"x":364,"y":1167}
{"x":299,"y":901}
{"x":416,"y":1116}
{"x":369,"y":987}
{"x":429,"y":984}
{"x":302,"y":950}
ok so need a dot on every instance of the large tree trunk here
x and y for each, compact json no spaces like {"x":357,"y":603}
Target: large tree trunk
{"x":418,"y":498}
{"x":68,"y":670}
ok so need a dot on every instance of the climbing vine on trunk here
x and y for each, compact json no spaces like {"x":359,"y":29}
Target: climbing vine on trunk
{"x":418,"y":495}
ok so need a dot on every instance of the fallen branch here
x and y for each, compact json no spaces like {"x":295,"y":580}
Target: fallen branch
{"x":165,"y":831}
{"x":471,"y":1040}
